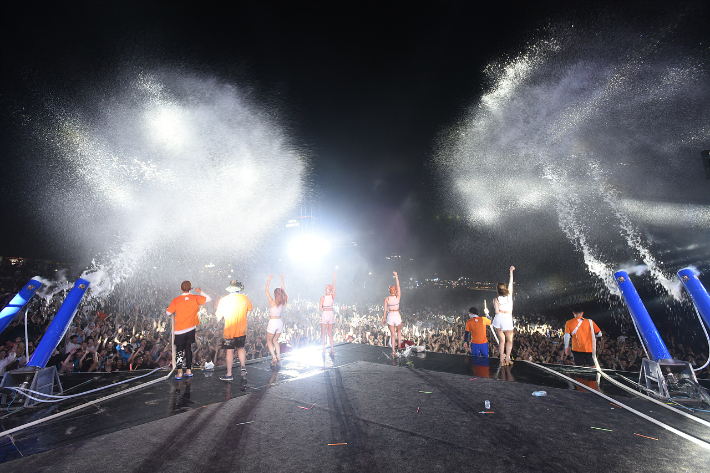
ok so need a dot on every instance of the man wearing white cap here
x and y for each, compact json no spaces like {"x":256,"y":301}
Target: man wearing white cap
{"x":234,"y":308}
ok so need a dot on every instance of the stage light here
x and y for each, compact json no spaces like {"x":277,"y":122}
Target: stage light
{"x":307,"y":356}
{"x":308,"y":248}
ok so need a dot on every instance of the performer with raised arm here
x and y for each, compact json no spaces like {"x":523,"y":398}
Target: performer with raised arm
{"x":234,"y":308}
{"x":276,"y":324}
{"x":185,"y":308}
{"x":391,"y":315}
{"x":503,"y":321}
{"x":328,"y":316}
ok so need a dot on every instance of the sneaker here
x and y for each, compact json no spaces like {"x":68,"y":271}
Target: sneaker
{"x":226,"y":378}
{"x":244,"y":371}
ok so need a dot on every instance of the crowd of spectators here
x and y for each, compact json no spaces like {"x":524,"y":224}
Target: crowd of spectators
{"x":138,"y":336}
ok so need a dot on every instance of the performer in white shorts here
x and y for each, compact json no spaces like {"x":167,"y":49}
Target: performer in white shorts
{"x":328,"y":318}
{"x":503,"y":321}
{"x":392,"y":317}
{"x":276,"y":324}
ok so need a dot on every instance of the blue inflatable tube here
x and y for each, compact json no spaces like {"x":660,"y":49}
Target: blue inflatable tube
{"x":697,"y":292}
{"x":18,"y":303}
{"x":56,"y":330}
{"x":651,"y":338}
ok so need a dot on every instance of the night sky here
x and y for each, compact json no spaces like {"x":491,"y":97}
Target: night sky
{"x":365,"y":90}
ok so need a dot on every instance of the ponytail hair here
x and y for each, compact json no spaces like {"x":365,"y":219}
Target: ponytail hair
{"x":502,"y":289}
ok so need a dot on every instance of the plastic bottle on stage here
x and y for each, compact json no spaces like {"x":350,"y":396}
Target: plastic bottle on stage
{"x":488,"y":404}
{"x":539,"y":393}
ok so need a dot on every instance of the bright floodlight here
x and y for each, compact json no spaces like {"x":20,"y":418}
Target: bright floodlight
{"x":307,"y":356}
{"x":308,"y":248}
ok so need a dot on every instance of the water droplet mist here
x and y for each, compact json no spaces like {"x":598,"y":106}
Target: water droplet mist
{"x":598,"y":132}
{"x":168,"y":167}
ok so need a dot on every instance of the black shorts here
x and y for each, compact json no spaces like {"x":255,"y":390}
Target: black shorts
{"x":582,"y":358}
{"x":185,"y":339}
{"x":232,"y":343}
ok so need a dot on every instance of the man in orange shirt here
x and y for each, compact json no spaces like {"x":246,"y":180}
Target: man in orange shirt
{"x":583,"y":333}
{"x":476,"y":326}
{"x":234,"y":308}
{"x":185,"y":308}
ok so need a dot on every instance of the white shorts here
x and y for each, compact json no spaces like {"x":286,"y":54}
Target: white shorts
{"x":503,"y":321}
{"x":275,"y":325}
{"x":393,"y":318}
{"x":328,"y":317}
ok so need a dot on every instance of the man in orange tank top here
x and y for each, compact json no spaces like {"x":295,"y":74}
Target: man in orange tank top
{"x":579,"y":330}
{"x":185,"y":307}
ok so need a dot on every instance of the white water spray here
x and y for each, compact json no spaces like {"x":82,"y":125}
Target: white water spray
{"x":172,"y":167}
{"x":579,"y":126}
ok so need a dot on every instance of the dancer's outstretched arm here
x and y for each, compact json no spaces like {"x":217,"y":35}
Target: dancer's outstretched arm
{"x":268,"y":296}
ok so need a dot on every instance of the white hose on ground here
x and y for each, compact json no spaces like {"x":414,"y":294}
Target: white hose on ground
{"x":95,"y":401}
{"x":74,"y":409}
{"x":695,"y":440}
{"x":648,"y":398}
{"x":54,"y":398}
{"x":643,"y":396}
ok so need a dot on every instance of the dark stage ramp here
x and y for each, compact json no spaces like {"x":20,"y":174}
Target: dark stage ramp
{"x":369,"y":413}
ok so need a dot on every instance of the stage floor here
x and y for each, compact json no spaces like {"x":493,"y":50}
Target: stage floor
{"x":410,"y":414}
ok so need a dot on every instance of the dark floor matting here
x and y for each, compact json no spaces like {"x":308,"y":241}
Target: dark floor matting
{"x":372,"y":415}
